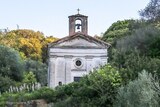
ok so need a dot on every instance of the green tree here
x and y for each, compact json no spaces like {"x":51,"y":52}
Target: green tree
{"x":154,"y":48}
{"x":29,"y":78}
{"x":98,"y":89}
{"x":11,"y":67}
{"x":121,"y":29}
{"x":11,"y":64}
{"x":145,"y":40}
{"x":5,"y":83}
{"x":136,"y":52}
{"x":38,"y":68}
{"x":139,"y":93}
{"x":133,"y":63}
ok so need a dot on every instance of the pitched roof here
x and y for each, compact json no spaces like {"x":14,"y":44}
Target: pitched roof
{"x":79,"y":34}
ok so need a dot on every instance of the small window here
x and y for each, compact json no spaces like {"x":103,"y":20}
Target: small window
{"x":77,"y":79}
{"x":78,"y":63}
{"x":60,"y":83}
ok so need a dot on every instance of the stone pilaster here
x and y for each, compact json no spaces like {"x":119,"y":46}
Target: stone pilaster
{"x":89,"y":63}
{"x":60,"y":71}
{"x":68,"y":69}
{"x":51,"y":76}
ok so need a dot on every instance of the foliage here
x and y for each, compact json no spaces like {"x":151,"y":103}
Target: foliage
{"x":136,"y":52}
{"x":29,"y":43}
{"x":45,"y":43}
{"x":139,"y":93}
{"x":5,"y":83}
{"x":96,"y":89}
{"x":151,"y":11}
{"x":144,"y":40}
{"x":39,"y":69}
{"x":154,"y":48}
{"x":11,"y":64}
{"x":42,"y":93}
{"x":29,"y":78}
{"x":121,"y":29}
{"x":131,"y":63}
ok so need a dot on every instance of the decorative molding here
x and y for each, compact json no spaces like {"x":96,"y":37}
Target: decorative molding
{"x":89,"y":57}
{"x":68,"y":56}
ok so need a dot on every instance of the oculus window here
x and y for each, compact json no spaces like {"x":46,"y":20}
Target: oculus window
{"x":78,"y":63}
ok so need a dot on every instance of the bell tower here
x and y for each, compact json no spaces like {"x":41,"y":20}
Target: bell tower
{"x":78,"y":23}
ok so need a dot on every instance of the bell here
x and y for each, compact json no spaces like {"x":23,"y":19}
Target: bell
{"x":78,"y":27}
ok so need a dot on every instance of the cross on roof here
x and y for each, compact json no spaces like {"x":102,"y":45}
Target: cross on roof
{"x":78,"y":10}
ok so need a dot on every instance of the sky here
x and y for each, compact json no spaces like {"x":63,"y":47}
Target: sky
{"x":51,"y":16}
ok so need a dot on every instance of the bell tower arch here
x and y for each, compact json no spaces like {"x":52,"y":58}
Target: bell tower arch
{"x":78,"y":23}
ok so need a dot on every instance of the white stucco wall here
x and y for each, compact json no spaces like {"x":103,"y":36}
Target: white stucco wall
{"x":62,"y":63}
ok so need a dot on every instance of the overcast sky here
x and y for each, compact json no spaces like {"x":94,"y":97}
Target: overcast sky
{"x":51,"y":16}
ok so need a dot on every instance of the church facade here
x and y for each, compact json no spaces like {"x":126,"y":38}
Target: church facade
{"x":74,"y":56}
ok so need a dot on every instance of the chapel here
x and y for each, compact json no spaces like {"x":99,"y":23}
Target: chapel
{"x":75,"y":55}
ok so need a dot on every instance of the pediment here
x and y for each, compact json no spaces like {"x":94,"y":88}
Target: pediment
{"x":79,"y":40}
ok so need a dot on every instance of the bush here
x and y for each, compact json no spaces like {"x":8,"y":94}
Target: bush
{"x":96,"y":89}
{"x":11,"y":64}
{"x":5,"y":83}
{"x":139,"y":93}
{"x":99,"y":88}
{"x":39,"y":69}
{"x":42,"y":93}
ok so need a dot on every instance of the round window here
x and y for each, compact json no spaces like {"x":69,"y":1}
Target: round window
{"x":78,"y":63}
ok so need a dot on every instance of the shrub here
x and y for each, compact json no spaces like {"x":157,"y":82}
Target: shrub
{"x":44,"y":93}
{"x":96,"y":89}
{"x":39,"y":69}
{"x":139,"y":93}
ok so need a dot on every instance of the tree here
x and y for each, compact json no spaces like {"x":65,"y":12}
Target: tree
{"x":39,"y":69}
{"x":98,"y":89}
{"x":139,"y":93}
{"x":11,"y":67}
{"x":29,"y":78}
{"x":154,"y":48}
{"x":144,"y":40}
{"x":121,"y":29}
{"x":136,"y":52}
{"x":5,"y":83}
{"x":151,"y":11}
{"x":30,"y":44}
{"x":27,"y":42}
{"x":45,"y":43}
{"x":11,"y":64}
